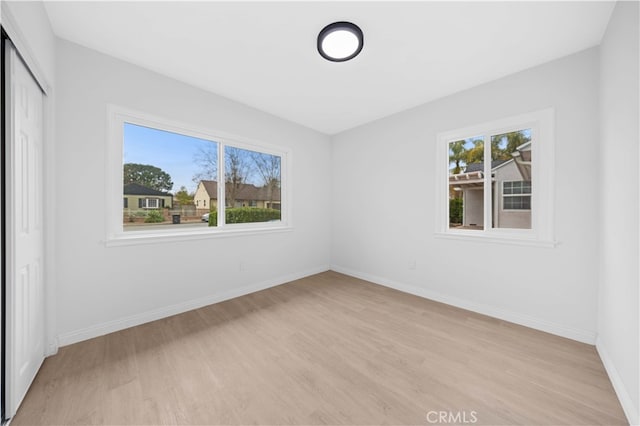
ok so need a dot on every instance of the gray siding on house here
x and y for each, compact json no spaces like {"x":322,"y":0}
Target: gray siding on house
{"x":519,"y":219}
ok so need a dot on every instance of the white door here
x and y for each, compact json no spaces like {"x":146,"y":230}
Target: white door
{"x":24,"y":246}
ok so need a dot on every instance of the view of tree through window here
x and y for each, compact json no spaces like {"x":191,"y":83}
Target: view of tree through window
{"x":170,"y":180}
{"x":510,"y":174}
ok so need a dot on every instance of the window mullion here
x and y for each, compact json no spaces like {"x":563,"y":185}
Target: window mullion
{"x":221,"y":189}
{"x":487,"y":183}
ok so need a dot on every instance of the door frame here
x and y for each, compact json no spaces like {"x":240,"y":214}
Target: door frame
{"x":3,"y":233}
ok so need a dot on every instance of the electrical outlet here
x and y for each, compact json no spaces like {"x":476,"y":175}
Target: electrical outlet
{"x":242,"y":266}
{"x":412,"y":264}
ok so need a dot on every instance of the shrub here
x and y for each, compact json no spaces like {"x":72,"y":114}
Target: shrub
{"x":455,"y":210}
{"x":245,"y":215}
{"x":154,"y":216}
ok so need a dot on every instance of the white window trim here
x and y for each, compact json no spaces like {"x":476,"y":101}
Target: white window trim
{"x":115,"y":234}
{"x":542,"y":125}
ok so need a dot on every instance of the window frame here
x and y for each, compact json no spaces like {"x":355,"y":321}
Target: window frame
{"x":115,"y":234}
{"x":542,"y":124}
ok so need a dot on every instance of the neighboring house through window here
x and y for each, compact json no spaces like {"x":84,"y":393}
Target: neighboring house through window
{"x":244,"y":195}
{"x":144,"y":197}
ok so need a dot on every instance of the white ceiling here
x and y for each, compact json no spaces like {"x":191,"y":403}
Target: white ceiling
{"x":263,"y":54}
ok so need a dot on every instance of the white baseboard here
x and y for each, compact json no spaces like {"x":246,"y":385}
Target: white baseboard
{"x":52,"y":347}
{"x":156,"y":314}
{"x":583,"y":336}
{"x":630,"y":410}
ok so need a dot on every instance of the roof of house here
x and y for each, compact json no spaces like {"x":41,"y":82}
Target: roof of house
{"x":246,"y":191}
{"x":137,"y":189}
{"x":479,"y":167}
{"x":211,"y":186}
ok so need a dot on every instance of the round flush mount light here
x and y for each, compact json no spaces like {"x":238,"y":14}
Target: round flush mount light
{"x":340,"y":41}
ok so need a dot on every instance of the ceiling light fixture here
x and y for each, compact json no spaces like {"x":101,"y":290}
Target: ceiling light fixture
{"x":340,"y":41}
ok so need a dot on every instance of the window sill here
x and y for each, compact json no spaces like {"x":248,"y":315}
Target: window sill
{"x":479,"y":237}
{"x":148,"y":237}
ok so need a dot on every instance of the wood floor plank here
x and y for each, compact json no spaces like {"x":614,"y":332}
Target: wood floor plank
{"x":327,"y":349}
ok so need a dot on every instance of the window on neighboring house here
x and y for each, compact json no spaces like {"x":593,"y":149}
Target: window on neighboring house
{"x":496,"y":179}
{"x":157,"y":159}
{"x":149,"y":203}
{"x":516,"y":195}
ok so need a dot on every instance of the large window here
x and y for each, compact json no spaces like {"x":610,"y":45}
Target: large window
{"x":496,"y":180}
{"x":177,"y":181}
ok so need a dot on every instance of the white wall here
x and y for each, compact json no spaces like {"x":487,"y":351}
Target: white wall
{"x":28,"y":24}
{"x":618,"y":318}
{"x":384,"y":192}
{"x":103,"y":289}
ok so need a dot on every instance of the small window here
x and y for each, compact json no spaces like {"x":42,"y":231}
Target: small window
{"x":516,"y":195}
{"x":160,"y":161}
{"x":488,"y":173}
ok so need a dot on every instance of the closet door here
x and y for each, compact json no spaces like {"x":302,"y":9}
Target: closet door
{"x":24,"y":234}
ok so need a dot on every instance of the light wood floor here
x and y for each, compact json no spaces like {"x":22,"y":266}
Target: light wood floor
{"x":327,"y":349}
